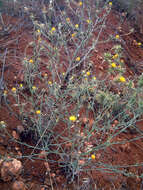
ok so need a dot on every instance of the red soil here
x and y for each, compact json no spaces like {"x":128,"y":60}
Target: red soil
{"x":35,"y":172}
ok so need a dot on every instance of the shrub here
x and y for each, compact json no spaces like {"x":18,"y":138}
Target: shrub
{"x":57,"y":107}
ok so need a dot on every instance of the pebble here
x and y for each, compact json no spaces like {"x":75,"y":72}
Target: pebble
{"x":10,"y":169}
{"x":18,"y":185}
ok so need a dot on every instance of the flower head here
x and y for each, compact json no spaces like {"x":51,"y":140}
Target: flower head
{"x":80,"y":3}
{"x":76,"y":25}
{"x":88,"y":73}
{"x":72,"y":118}
{"x":117,"y":36}
{"x":122,"y":79}
{"x":21,"y":85}
{"x":113,"y":65}
{"x":38,"y":112}
{"x":38,"y":31}
{"x":88,"y":21}
{"x":2,"y":124}
{"x":73,"y":35}
{"x":93,"y":157}
{"x":5,"y":92}
{"x":68,"y":19}
{"x":139,"y":43}
{"x":115,"y":56}
{"x":31,"y":61}
{"x":77,"y":59}
{"x":49,"y":82}
{"x":110,"y":3}
{"x":34,"y":87}
{"x":94,"y":78}
{"x":53,"y":29}
{"x":13,"y":90}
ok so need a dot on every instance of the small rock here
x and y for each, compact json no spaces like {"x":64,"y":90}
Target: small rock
{"x":18,"y":185}
{"x":10,"y":169}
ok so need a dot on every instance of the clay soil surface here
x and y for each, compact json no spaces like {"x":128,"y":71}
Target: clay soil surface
{"x":36,"y":173}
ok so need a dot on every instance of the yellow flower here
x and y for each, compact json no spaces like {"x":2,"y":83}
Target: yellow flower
{"x":72,"y":118}
{"x":76,"y":26}
{"x":72,"y":78}
{"x":80,"y":3}
{"x":115,"y":56}
{"x":53,"y":29}
{"x":122,"y":79}
{"x":21,"y":85}
{"x":13,"y":89}
{"x":94,"y":78}
{"x":63,"y":73}
{"x":49,"y":82}
{"x":93,"y":157}
{"x":38,"y":112}
{"x":73,"y":35}
{"x":88,"y":73}
{"x":85,"y":79}
{"x":5,"y":92}
{"x":34,"y":87}
{"x":38,"y":31}
{"x":117,"y":36}
{"x":113,"y":65}
{"x":139,"y":43}
{"x":31,"y":61}
{"x":88,"y":21}
{"x":78,"y":59}
{"x":68,"y":19}
{"x":110,"y":3}
{"x":2,"y":124}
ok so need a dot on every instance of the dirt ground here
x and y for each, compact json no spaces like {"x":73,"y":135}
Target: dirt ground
{"x":35,"y":174}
